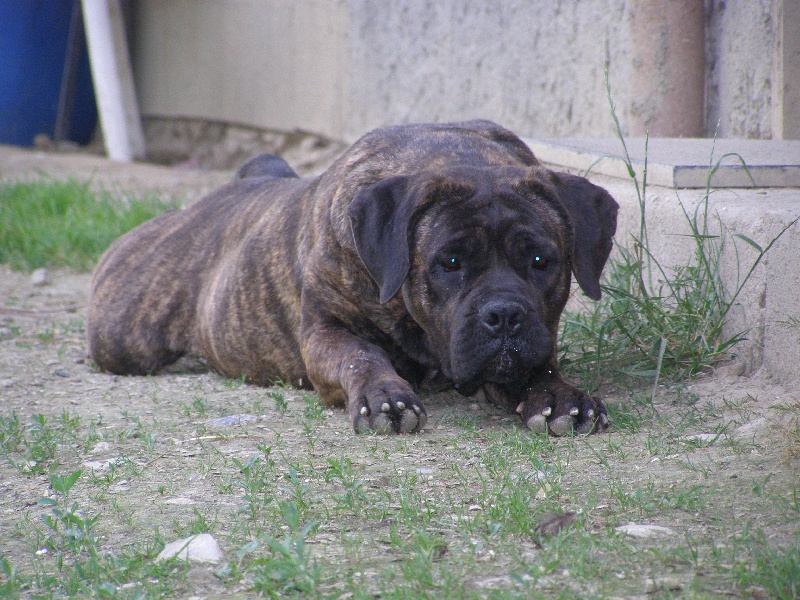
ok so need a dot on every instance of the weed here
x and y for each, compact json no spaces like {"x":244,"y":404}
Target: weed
{"x":288,"y":569}
{"x":341,"y":470}
{"x":234,"y":383}
{"x":776,"y":570}
{"x":12,"y":582}
{"x":70,"y":529}
{"x":199,"y":524}
{"x":257,"y":485}
{"x":655,"y":323}
{"x":281,"y":403}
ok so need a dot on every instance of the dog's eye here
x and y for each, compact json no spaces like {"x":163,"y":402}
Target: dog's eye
{"x":539,"y":262}
{"x":451,"y":264}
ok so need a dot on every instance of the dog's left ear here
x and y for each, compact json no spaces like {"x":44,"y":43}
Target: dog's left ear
{"x":593,"y":213}
{"x":379,"y":216}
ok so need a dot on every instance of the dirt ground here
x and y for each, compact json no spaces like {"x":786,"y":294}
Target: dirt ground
{"x":710,"y":461}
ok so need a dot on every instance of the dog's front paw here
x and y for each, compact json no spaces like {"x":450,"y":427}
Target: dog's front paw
{"x":560,"y":409}
{"x":387,"y":407}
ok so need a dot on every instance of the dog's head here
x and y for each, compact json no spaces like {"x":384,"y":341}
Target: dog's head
{"x":482,"y":259}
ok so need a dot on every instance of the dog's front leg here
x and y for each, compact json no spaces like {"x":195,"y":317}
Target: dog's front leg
{"x":347,"y":370}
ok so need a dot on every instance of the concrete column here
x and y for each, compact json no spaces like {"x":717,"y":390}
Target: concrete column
{"x":667,"y":67}
{"x":786,"y":72}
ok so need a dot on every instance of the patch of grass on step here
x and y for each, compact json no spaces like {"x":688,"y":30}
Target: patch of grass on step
{"x":655,"y":322}
{"x":51,"y":223}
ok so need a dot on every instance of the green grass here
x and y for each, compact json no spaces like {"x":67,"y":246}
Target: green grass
{"x":51,"y":223}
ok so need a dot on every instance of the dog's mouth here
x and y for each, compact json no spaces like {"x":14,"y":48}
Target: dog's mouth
{"x":477,"y":359}
{"x":509,"y":365}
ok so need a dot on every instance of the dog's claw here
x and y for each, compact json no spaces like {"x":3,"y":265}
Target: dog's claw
{"x":547,"y":411}
{"x":520,"y":407}
{"x":385,"y":407}
{"x":364,"y":411}
{"x":573,"y":412}
{"x":401,"y":406}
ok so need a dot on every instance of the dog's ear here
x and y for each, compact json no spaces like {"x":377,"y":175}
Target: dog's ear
{"x":593,"y":213}
{"x":380,"y":216}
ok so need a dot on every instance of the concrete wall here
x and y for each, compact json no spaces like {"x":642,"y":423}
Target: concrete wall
{"x":742,"y":65}
{"x":266,"y":63}
{"x":535,"y":66}
{"x":342,"y":67}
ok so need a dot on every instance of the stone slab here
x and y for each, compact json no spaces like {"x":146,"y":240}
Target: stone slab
{"x":680,"y":163}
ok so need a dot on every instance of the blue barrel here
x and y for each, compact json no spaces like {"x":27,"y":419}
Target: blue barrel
{"x":34,"y":36}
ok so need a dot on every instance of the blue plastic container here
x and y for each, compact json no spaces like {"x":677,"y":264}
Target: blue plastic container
{"x":33,"y":48}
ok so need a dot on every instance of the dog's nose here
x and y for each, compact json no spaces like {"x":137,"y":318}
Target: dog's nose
{"x":502,"y":318}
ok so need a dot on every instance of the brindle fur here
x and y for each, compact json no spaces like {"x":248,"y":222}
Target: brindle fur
{"x":333,"y":282}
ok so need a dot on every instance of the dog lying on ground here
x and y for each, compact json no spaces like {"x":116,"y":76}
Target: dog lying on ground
{"x":427,"y":254}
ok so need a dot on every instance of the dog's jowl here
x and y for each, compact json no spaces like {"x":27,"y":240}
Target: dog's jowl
{"x":426,"y":253}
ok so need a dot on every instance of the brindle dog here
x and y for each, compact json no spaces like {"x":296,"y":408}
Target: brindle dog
{"x":430,"y":253}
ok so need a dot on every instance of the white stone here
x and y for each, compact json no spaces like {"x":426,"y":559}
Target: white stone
{"x":644,"y":531}
{"x":180,"y":501}
{"x":197,"y":548}
{"x":39,"y":277}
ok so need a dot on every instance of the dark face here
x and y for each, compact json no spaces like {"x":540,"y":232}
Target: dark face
{"x":489,"y":278}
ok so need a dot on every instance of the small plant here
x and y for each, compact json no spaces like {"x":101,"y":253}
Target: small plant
{"x":341,"y":470}
{"x":70,"y":529}
{"x":289,"y":569}
{"x":199,"y":524}
{"x":11,"y":582}
{"x":281,"y":404}
{"x":313,"y":414}
{"x":258,"y":473}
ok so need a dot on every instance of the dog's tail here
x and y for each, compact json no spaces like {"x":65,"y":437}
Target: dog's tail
{"x":265,"y":166}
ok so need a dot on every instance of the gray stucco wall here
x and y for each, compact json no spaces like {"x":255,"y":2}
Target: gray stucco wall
{"x":342,"y":67}
{"x":740,"y":61}
{"x":535,"y":66}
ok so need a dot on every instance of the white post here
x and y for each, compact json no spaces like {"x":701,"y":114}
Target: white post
{"x":113,"y":79}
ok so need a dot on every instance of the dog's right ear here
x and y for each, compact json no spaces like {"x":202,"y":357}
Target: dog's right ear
{"x":380,"y":216}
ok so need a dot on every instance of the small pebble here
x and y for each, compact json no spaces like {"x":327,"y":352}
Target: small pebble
{"x":198,"y":548}
{"x":39,"y":277}
{"x":6,"y":383}
{"x":644,"y":531}
{"x":232,"y":420}
{"x":180,"y":501}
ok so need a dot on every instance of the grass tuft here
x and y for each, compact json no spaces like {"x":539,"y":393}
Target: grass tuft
{"x":656,"y":323}
{"x":51,"y":223}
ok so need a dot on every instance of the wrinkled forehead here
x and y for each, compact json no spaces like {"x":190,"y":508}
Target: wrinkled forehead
{"x":496,"y":205}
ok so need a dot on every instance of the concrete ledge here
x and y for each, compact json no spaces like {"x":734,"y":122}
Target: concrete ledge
{"x":770,"y":301}
{"x":681,"y":163}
